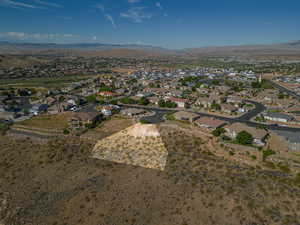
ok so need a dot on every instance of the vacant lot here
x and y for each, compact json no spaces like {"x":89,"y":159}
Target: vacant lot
{"x":55,"y":82}
{"x":47,"y":122}
{"x":109,"y":127}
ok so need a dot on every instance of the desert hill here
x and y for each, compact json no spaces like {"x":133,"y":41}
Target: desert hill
{"x":59,"y":183}
{"x":138,"y":145}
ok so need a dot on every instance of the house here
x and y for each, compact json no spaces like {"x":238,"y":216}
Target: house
{"x":82,"y":119}
{"x":206,"y":102}
{"x":186,"y":116}
{"x":55,"y":109}
{"x":50,"y":100}
{"x":176,"y":93}
{"x":209,"y":122}
{"x":233,"y":99}
{"x":227,"y":108}
{"x":39,"y":108}
{"x":258,"y":135}
{"x":108,"y":94}
{"x":154,"y":100}
{"x":144,"y":94}
{"x":278,"y":117}
{"x":2,"y":108}
{"x":290,"y":140}
{"x":133,"y":112}
{"x":108,"y":110}
{"x":7,"y":115}
{"x":181,"y":103}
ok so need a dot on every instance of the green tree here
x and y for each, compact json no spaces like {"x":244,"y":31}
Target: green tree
{"x":161,"y":103}
{"x":91,"y":99}
{"x":215,"y":106}
{"x":144,"y":101}
{"x":244,"y":138}
{"x":218,"y":132}
{"x":127,"y":100}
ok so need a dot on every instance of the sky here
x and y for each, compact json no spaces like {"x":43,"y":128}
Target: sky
{"x":171,"y":24}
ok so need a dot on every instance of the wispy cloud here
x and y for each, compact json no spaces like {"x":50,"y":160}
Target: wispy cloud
{"x":133,"y":1}
{"x":111,"y":20}
{"x":158,"y":5}
{"x":268,"y":23}
{"x":101,"y":7}
{"x":107,"y":15}
{"x":35,"y":4}
{"x":137,"y":14}
{"x":17,"y":4}
{"x":50,"y":4}
{"x":13,"y":35}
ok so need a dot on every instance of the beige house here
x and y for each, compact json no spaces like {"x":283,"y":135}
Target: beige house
{"x":209,"y":122}
{"x":258,"y":135}
{"x":82,"y":119}
{"x":186,"y":116}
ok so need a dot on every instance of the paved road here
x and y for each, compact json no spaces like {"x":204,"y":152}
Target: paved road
{"x":284,"y":89}
{"x":159,"y":114}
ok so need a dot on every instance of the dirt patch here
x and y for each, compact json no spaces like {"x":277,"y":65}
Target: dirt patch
{"x":138,"y":145}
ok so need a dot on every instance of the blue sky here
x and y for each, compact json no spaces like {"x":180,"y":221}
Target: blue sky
{"x":166,"y":23}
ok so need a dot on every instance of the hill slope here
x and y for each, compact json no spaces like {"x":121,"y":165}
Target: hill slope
{"x":59,"y":183}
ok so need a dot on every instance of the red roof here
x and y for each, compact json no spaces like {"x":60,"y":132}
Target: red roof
{"x":177,"y":99}
{"x":107,"y":93}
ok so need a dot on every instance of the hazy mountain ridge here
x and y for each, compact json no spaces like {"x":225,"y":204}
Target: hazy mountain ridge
{"x":285,"y":51}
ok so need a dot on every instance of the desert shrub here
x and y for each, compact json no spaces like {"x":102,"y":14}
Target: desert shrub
{"x":267,"y":153}
{"x":284,"y":168}
{"x":270,"y":165}
{"x":143,"y":121}
{"x":3,"y":128}
{"x":66,"y":132}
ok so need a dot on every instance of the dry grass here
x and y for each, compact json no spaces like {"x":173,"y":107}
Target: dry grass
{"x":109,"y":127}
{"x":51,"y":122}
{"x":58,"y":183}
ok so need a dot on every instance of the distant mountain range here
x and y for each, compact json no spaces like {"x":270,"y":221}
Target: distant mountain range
{"x":290,"y":50}
{"x":80,"y":46}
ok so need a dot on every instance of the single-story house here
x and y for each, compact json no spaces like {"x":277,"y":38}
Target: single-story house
{"x":181,"y":103}
{"x":7,"y":115}
{"x":2,"y":108}
{"x":107,"y":110}
{"x":108,"y":94}
{"x":186,"y":116}
{"x":154,"y":100}
{"x":278,"y":117}
{"x":79,"y":120}
{"x":228,"y":108}
{"x":259,"y":135}
{"x":133,"y":112}
{"x":209,"y":122}
{"x":206,"y":102}
{"x":36,"y":109}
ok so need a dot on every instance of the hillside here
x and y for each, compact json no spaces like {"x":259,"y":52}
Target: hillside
{"x":59,"y":183}
{"x":138,"y":145}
